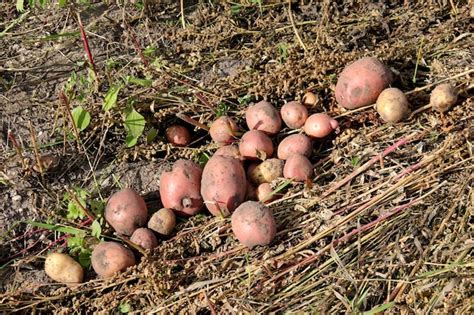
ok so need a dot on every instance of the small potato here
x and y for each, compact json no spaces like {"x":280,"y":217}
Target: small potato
{"x":230,"y":150}
{"x":178,"y":135}
{"x":264,"y":117}
{"x":295,"y":144}
{"x":253,"y":224}
{"x":361,"y":82}
{"x":62,"y":268}
{"x":110,"y":258}
{"x":144,"y":238}
{"x":163,"y":221}
{"x":180,"y":188}
{"x":392,"y":105}
{"x":223,"y":130}
{"x":223,"y":185}
{"x":443,"y":97}
{"x":320,"y":125}
{"x":310,"y":100}
{"x":255,"y":145}
{"x":264,"y":193}
{"x":267,"y":171}
{"x":298,"y":168}
{"x":126,"y":211}
{"x":294,"y":114}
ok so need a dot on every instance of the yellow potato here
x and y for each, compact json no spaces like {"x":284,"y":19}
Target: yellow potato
{"x":62,"y":268}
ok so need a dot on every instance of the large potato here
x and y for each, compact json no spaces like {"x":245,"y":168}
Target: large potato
{"x":62,"y":268}
{"x":253,"y":224}
{"x":180,"y":187}
{"x":361,"y":82}
{"x":223,"y":130}
{"x":126,"y":211}
{"x":145,"y":238}
{"x":223,"y":185}
{"x":267,"y":171}
{"x":294,"y":114}
{"x":109,"y":258}
{"x":294,"y":144}
{"x":255,"y":145}
{"x":264,"y":117}
{"x":298,"y":168}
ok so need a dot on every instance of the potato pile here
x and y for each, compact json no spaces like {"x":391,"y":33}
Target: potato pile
{"x":240,"y":178}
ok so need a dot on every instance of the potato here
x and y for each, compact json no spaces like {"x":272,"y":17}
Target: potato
{"x":264,"y":193}
{"x":361,"y":82}
{"x":163,"y":221}
{"x":264,"y":117}
{"x":392,"y":105}
{"x":178,"y":135}
{"x":298,"y":168}
{"x":230,"y":150}
{"x":223,"y":130}
{"x":443,"y":97}
{"x":110,"y":258}
{"x":126,"y":211}
{"x":255,"y":145}
{"x":62,"y":268}
{"x":267,"y":171}
{"x":223,"y":185}
{"x":294,"y":114}
{"x":310,"y":100}
{"x":320,"y":125}
{"x":180,"y":188}
{"x":253,"y":224}
{"x":144,"y":238}
{"x":295,"y":144}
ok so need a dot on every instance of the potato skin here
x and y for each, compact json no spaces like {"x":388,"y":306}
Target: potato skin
{"x":180,"y":188}
{"x":263,"y":116}
{"x":163,"y":221}
{"x":320,"y":125}
{"x":361,"y":82}
{"x":109,"y":258}
{"x":223,"y":130}
{"x":253,"y":224}
{"x":298,"y":168}
{"x":263,"y":193}
{"x":443,"y":97}
{"x":178,"y":135}
{"x":294,"y":114}
{"x":230,"y":150}
{"x":295,"y":144}
{"x":253,"y":143}
{"x":267,"y":171}
{"x":223,"y":185}
{"x":392,"y":105}
{"x":145,"y":238}
{"x":126,"y":211}
{"x":63,"y":268}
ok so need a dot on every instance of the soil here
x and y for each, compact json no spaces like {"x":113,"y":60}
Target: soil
{"x":395,"y":237}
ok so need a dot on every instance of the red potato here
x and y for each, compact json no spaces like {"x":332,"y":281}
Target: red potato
{"x":294,"y":114}
{"x":264,"y":193}
{"x":298,"y":168}
{"x":63,"y":268}
{"x":295,"y":144}
{"x":230,"y":150}
{"x":110,"y":258}
{"x":264,"y":117}
{"x":266,"y":171}
{"x":178,"y":135}
{"x":163,"y":221}
{"x":144,"y":238}
{"x":443,"y":97}
{"x":320,"y":125}
{"x":126,"y":211}
{"x":223,"y":185}
{"x":361,"y":82}
{"x":223,"y":130}
{"x":253,"y":224}
{"x":392,"y":105}
{"x":180,"y":188}
{"x":255,"y":145}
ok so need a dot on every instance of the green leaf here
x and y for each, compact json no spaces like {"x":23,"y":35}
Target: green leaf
{"x":74,"y":242}
{"x":151,"y":135}
{"x":130,"y":141}
{"x":134,"y":123}
{"x":81,"y":117}
{"x":380,"y":308}
{"x":97,"y":206}
{"x":96,"y":229}
{"x":138,"y":81}
{"x":20,"y":5}
{"x":62,"y":3}
{"x":124,"y":308}
{"x":63,"y":229}
{"x":85,"y":258}
{"x":110,"y":99}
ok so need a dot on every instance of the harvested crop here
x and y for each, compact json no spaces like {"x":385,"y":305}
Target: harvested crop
{"x":294,"y":114}
{"x":295,"y":144}
{"x":320,"y":125}
{"x":223,"y":130}
{"x":110,"y":258}
{"x":178,"y":135}
{"x":144,"y":238}
{"x":266,"y":171}
{"x":126,"y":211}
{"x":255,"y":145}
{"x":163,"y":221}
{"x":443,"y":97}
{"x":298,"y":168}
{"x":392,"y":105}
{"x":63,"y":268}
{"x":263,"y":116}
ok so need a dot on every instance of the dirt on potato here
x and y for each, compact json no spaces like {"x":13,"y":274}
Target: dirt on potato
{"x":385,"y":225}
